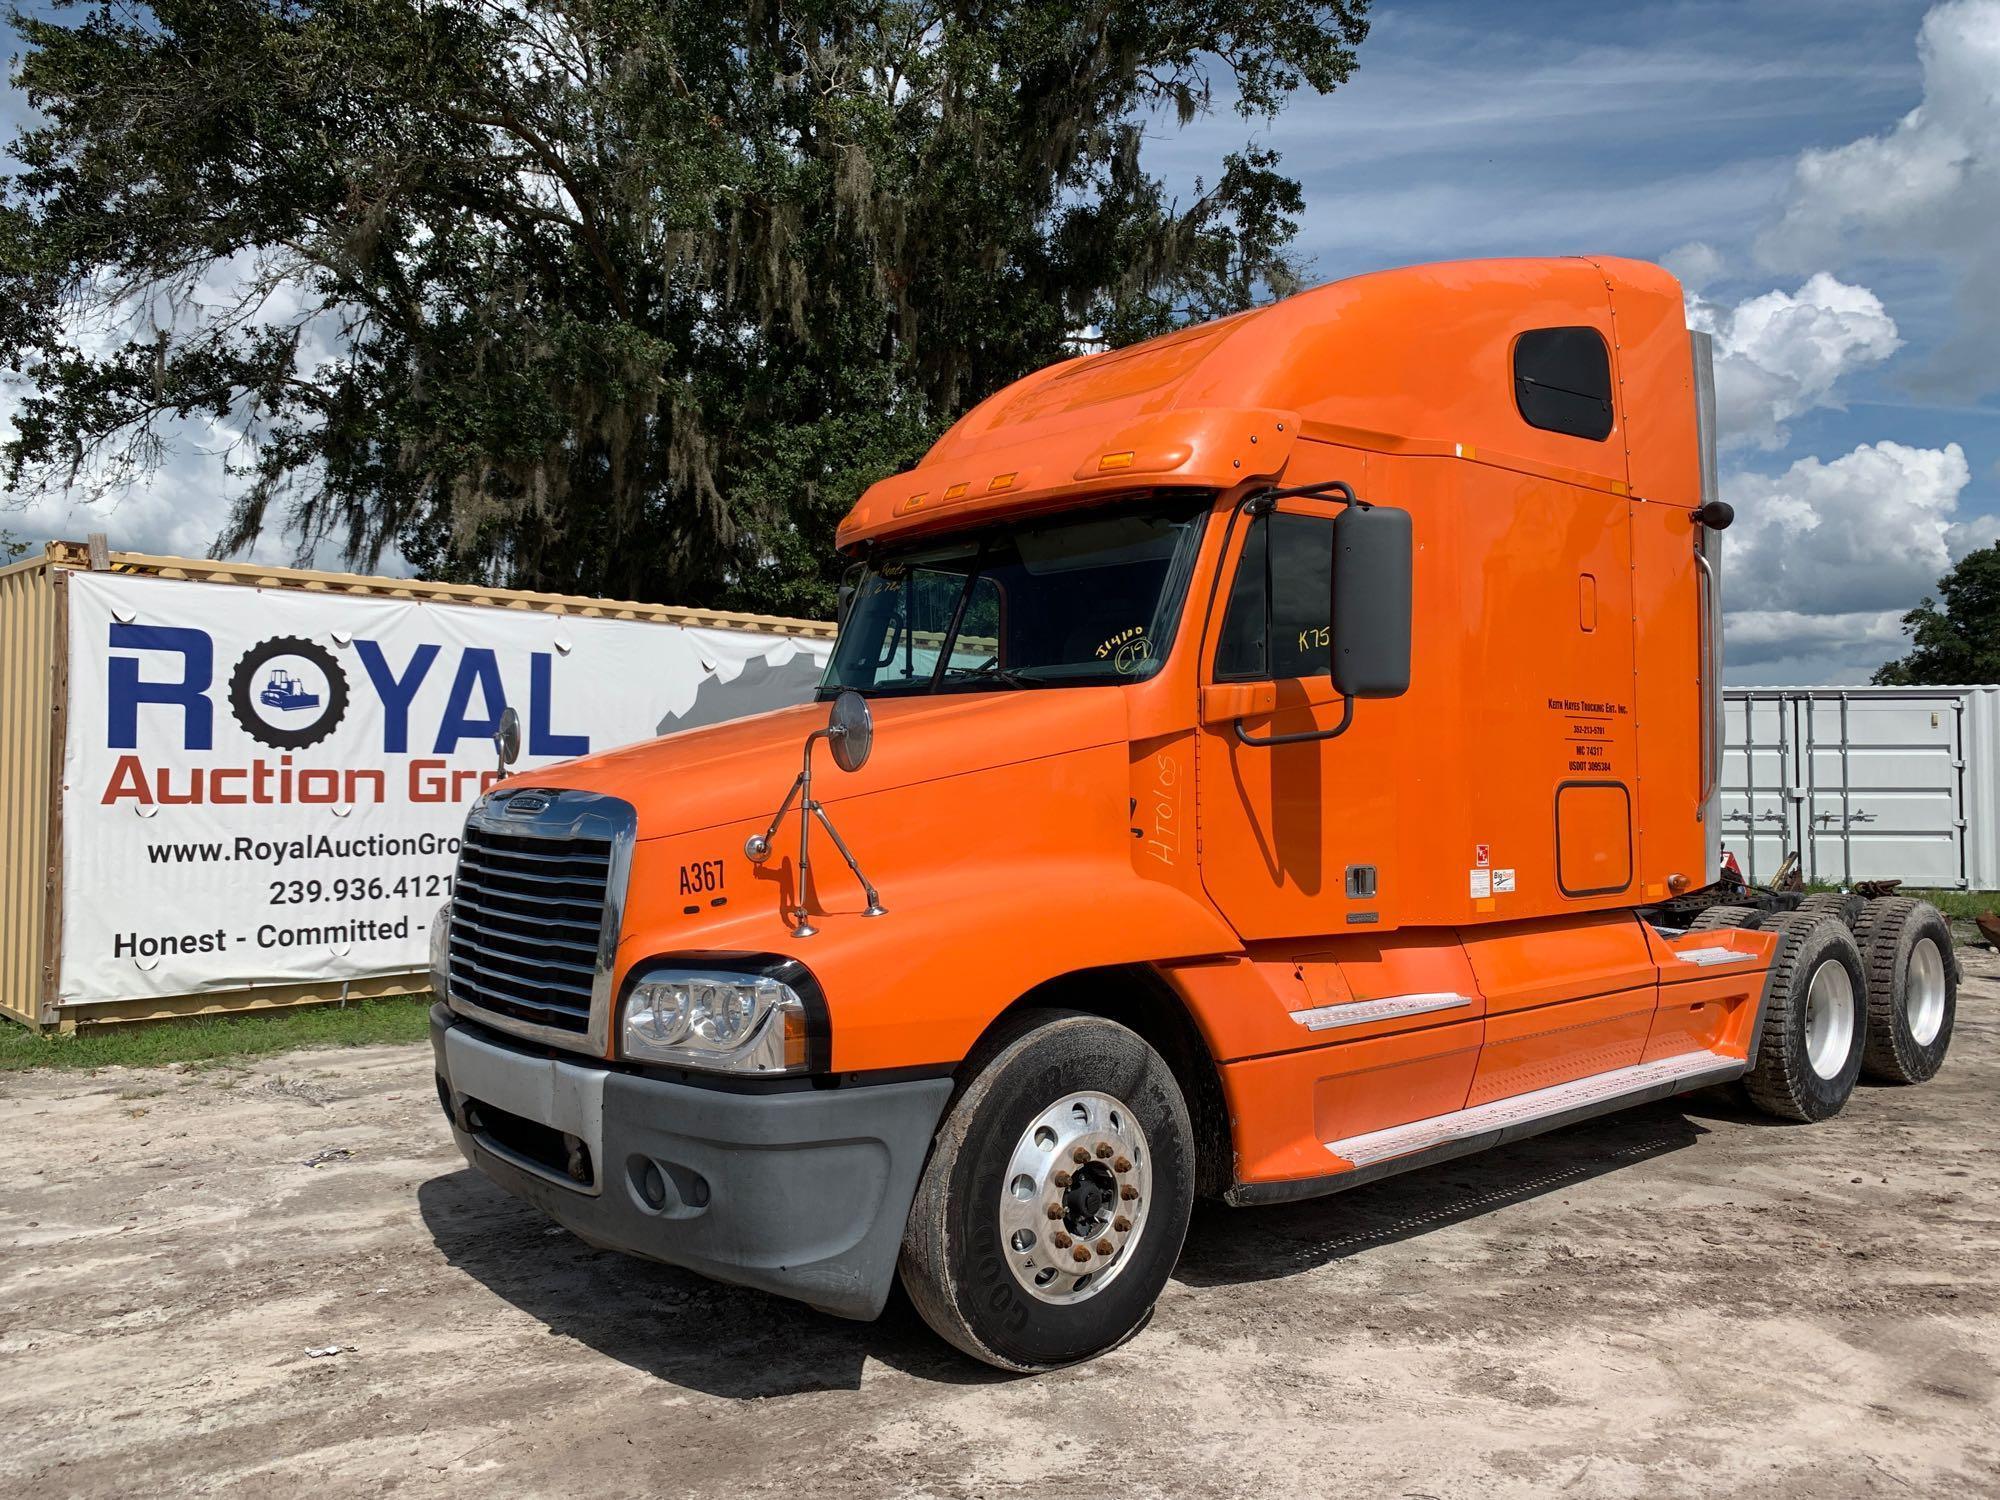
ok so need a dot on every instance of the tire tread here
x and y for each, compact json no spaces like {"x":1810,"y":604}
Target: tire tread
{"x":1885,"y":1057}
{"x":1746,"y":917}
{"x":1777,"y":1085}
{"x":928,"y":1264}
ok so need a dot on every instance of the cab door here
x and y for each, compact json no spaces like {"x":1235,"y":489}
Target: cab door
{"x":1296,"y":836}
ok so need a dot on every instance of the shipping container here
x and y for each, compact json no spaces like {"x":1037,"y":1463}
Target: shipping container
{"x":1865,"y":783}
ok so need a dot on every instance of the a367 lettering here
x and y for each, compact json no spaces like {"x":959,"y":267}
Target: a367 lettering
{"x":702,"y":877}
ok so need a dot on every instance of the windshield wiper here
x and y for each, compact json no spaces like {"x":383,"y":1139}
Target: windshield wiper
{"x":995,"y":672}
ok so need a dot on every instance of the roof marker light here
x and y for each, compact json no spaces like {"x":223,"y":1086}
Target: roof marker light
{"x":1116,"y":460}
{"x":956,"y":490}
{"x":1003,"y":481}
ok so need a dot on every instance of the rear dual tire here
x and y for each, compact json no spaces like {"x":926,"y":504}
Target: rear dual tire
{"x":1814,"y":1019}
{"x":1912,"y":989}
{"x":1842,"y":904}
{"x":1714,"y":917}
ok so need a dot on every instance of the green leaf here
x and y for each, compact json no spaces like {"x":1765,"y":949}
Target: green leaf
{"x":622,"y":297}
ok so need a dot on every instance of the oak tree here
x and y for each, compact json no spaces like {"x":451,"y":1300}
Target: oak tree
{"x":624,"y":297}
{"x":1954,"y":636}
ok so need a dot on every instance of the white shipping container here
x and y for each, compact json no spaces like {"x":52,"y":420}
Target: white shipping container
{"x":1864,"y":783}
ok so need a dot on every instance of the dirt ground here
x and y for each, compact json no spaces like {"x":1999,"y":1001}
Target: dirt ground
{"x":1683,"y":1299}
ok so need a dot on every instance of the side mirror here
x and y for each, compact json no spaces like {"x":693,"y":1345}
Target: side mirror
{"x":850,"y":731}
{"x":1372,"y":566}
{"x":507,"y":737}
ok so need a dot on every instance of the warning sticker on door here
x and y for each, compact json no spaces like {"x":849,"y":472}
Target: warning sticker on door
{"x":1482,"y":855}
{"x":1482,"y":884}
{"x":1503,"y":881}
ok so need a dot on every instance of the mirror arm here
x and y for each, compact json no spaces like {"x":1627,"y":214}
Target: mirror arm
{"x":1261,"y":503}
{"x":1304,"y":736}
{"x":1338,"y":490}
{"x":757,"y":848}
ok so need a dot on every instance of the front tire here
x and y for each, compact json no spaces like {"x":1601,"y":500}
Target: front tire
{"x":1023,"y":1252}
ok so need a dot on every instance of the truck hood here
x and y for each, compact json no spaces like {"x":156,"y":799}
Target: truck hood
{"x":725,"y":773}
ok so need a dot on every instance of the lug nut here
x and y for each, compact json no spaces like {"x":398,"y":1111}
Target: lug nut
{"x":1104,"y":1150}
{"x":1055,"y":1210}
{"x":1080,"y":1253}
{"x":1121,"y":1224}
{"x":1105,"y":1247}
{"x":1127,"y":1192}
{"x":1123,"y":1164}
{"x":1060,"y":1239}
{"x":1079,"y":1156}
{"x":1062,"y":1177}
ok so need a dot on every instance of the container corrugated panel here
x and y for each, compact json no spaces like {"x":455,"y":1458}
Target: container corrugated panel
{"x":1865,"y":783}
{"x":29,"y":662}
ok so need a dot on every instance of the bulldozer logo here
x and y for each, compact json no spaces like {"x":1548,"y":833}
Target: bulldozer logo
{"x":288,"y":692}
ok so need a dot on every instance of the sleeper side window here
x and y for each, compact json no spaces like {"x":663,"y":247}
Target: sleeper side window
{"x":1562,"y":381}
{"x":1283,"y":633}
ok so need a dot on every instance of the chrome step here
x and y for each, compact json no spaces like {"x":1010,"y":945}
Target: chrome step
{"x":1669,"y":1075}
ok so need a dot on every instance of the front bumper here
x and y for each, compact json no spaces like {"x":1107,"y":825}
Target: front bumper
{"x":802,"y":1194}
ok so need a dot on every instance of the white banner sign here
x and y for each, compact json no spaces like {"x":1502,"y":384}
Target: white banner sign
{"x":267,"y":785}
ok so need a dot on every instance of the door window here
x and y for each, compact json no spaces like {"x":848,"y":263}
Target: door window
{"x":1282,"y":631}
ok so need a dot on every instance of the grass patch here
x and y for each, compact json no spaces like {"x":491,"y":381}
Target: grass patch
{"x":1967,"y":904}
{"x":152,"y":1044}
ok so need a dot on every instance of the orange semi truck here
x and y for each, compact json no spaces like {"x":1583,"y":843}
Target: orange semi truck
{"x":1259,"y":760}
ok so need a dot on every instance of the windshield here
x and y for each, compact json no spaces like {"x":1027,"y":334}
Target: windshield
{"x":1060,"y":602}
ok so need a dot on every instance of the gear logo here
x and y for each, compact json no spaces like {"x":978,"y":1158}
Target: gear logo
{"x":288,"y":692}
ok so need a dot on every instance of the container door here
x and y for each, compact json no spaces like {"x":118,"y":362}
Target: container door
{"x":1759,"y":781}
{"x":1884,"y":793}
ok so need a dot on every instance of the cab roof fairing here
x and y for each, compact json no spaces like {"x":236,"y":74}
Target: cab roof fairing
{"x":1416,"y":359}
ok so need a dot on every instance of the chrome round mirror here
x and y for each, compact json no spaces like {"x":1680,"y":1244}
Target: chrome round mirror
{"x":507,"y":737}
{"x":850,"y":731}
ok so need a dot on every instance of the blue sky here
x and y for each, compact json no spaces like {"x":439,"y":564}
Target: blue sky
{"x":1762,"y":150}
{"x":1676,"y":132}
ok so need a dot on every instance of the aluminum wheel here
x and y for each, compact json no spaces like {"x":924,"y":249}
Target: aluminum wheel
{"x":1830,"y":1018}
{"x":1075,"y":1197}
{"x":1923,"y":997}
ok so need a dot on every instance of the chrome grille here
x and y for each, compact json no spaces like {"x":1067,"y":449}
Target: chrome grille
{"x":535,"y":912}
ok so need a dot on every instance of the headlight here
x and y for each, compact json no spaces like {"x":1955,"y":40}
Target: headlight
{"x":441,"y":952}
{"x":700,"y":1018}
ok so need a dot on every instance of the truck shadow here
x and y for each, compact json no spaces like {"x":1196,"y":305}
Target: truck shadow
{"x":1229,"y":1246}
{"x":673,"y":1325}
{"x":742,"y":1344}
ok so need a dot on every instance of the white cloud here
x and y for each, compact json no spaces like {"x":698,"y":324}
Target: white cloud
{"x":181,"y":505}
{"x":1928,"y":189}
{"x":1865,"y":531}
{"x":1782,"y":353}
{"x":1694,"y":264}
{"x":1781,"y":649}
{"x":179,"y":509}
{"x":1825,"y":558}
